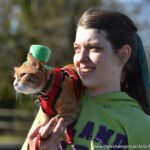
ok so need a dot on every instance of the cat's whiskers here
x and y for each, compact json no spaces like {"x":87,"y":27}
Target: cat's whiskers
{"x":19,"y":97}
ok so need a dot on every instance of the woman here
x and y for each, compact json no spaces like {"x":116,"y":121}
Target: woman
{"x":112,"y":66}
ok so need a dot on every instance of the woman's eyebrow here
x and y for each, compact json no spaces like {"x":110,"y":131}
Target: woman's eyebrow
{"x":94,"y":43}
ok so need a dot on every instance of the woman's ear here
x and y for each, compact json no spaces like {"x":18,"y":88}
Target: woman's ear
{"x":124,"y":53}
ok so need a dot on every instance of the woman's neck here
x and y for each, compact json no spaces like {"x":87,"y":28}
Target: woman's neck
{"x":99,"y":91}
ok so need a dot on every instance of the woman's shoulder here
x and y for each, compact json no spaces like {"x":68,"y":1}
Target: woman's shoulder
{"x":139,"y":129}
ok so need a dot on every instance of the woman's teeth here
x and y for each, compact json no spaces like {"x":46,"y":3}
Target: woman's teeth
{"x":86,"y":70}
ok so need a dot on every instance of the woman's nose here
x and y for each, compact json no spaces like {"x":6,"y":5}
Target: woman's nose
{"x":83,"y":56}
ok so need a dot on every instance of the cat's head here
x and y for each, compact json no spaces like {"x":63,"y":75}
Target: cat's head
{"x":30,"y":77}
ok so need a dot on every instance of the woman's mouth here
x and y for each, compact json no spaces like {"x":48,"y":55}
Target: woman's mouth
{"x":85,"y":71}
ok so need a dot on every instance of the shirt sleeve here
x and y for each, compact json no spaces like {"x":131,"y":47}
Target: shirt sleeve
{"x":36,"y":121}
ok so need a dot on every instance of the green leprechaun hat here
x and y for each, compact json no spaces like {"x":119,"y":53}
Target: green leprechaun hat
{"x":41,"y":53}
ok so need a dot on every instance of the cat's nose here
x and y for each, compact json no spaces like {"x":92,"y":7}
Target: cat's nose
{"x":15,"y":83}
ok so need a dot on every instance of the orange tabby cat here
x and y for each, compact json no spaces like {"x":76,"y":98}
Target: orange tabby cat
{"x":34,"y":79}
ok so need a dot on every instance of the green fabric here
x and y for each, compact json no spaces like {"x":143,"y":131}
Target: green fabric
{"x":48,"y":67}
{"x":40,"y":52}
{"x":108,"y":120}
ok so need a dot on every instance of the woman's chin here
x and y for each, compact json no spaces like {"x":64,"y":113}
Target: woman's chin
{"x":87,"y":83}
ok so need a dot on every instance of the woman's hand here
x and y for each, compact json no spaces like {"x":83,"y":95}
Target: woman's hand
{"x":50,"y":135}
{"x":32,"y":136}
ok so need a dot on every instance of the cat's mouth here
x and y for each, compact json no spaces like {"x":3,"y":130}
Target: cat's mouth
{"x":25,"y":88}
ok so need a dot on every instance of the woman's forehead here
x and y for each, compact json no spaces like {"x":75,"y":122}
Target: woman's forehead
{"x":90,"y":35}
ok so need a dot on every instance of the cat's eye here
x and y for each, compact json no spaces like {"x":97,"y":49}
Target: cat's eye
{"x":22,"y":74}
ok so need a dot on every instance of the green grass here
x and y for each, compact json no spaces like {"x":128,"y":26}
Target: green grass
{"x":14,"y":126}
{"x":7,"y":139}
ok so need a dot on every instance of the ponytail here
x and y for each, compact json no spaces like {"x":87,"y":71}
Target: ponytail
{"x":137,"y":82}
{"x":143,"y":61}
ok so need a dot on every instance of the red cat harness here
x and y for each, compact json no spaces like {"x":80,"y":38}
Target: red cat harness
{"x":48,"y":101}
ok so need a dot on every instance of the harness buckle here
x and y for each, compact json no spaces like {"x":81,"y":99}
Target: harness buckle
{"x":37,"y":103}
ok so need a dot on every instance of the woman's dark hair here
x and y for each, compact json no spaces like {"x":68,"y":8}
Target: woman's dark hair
{"x":120,"y":31}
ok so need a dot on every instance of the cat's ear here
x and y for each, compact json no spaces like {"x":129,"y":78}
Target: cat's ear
{"x":34,"y":62}
{"x":16,"y":68}
{"x":15,"y":71}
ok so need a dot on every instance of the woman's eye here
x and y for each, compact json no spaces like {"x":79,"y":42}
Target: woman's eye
{"x":76,"y":49}
{"x":95,"y":48}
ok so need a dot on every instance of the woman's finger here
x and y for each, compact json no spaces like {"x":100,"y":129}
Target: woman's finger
{"x":46,"y":130}
{"x":53,"y":140}
{"x":33,"y":132}
{"x":60,"y":126}
{"x":58,"y":130}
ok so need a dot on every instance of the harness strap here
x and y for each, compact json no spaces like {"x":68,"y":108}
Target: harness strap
{"x":39,"y":138}
{"x":48,"y":105}
{"x":37,"y":141}
{"x":48,"y":83}
{"x":76,"y":82}
{"x":77,"y":87}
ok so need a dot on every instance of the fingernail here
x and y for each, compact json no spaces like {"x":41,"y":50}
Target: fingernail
{"x":41,"y":130}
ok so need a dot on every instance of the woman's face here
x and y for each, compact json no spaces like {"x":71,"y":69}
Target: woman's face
{"x":97,"y":64}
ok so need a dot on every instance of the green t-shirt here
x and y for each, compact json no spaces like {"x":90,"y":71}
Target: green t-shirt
{"x":111,"y":121}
